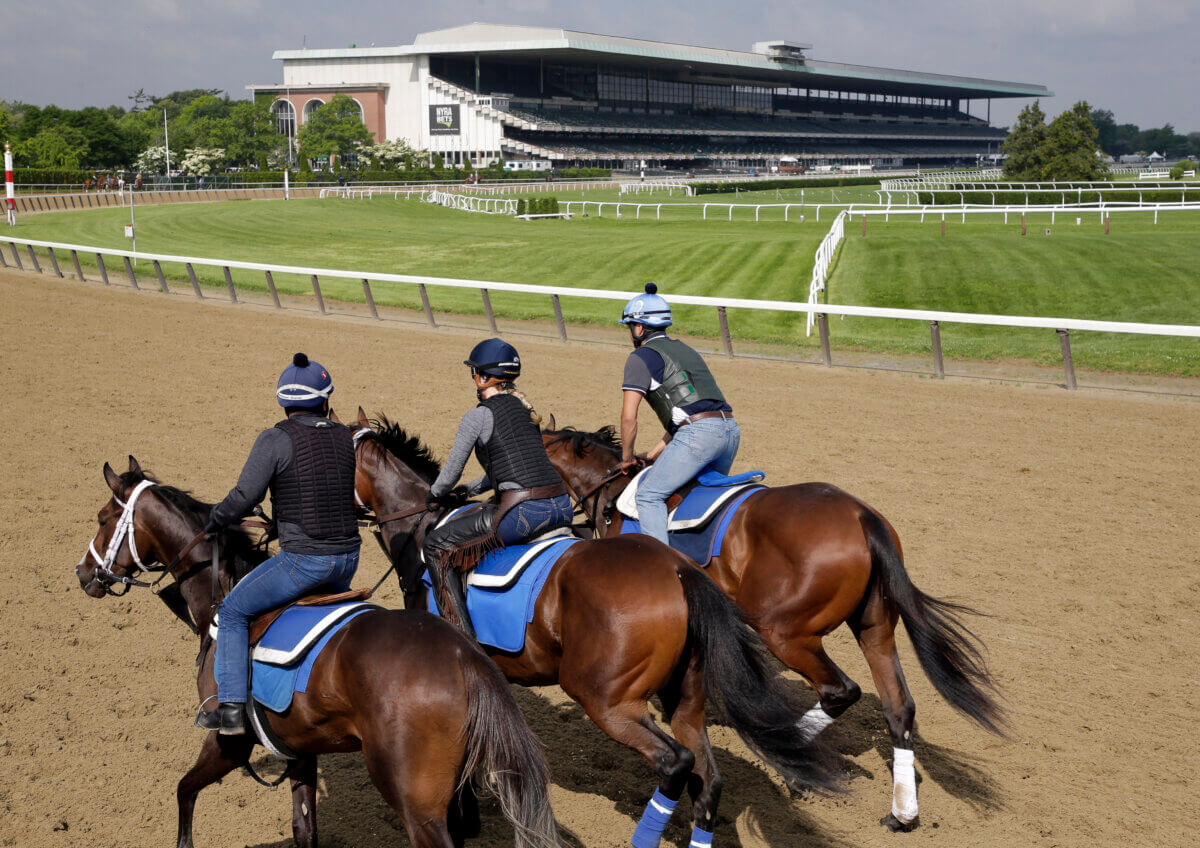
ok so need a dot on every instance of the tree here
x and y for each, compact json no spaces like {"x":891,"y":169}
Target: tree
{"x":388,"y":153}
{"x":5,"y":125}
{"x":55,"y":147}
{"x":1070,"y":147}
{"x":334,"y":129}
{"x":1024,"y":146}
{"x":1106,"y":129}
{"x":153,"y":160}
{"x":203,"y":161}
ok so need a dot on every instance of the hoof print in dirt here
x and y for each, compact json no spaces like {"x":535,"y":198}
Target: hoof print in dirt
{"x":896,"y":826}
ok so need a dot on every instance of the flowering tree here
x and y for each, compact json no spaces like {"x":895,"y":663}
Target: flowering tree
{"x":203,"y":161}
{"x":152,"y":160}
{"x":387,"y":153}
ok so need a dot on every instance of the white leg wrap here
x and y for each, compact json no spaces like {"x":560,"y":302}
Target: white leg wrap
{"x":904,"y":785}
{"x":813,"y":722}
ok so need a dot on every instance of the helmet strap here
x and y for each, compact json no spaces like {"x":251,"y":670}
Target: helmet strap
{"x":637,"y":338}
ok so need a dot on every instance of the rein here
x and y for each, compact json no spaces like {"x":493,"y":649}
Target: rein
{"x":595,"y":492}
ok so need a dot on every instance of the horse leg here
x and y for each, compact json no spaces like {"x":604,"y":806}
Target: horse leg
{"x":418,"y":787}
{"x":683,"y":706}
{"x":875,"y":630}
{"x":464,"y":820}
{"x":629,"y":722}
{"x":304,"y":803}
{"x":836,"y":692}
{"x":218,"y":757}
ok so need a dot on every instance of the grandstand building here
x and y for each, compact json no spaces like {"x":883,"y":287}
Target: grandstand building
{"x":483,"y":92}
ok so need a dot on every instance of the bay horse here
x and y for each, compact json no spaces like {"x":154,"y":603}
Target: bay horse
{"x":423,"y":704}
{"x":617,"y":622}
{"x":799,"y":561}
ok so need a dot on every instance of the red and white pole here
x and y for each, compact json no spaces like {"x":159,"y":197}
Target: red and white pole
{"x":10,"y":201}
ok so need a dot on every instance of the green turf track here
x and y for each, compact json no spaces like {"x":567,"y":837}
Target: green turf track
{"x":1139,"y":272}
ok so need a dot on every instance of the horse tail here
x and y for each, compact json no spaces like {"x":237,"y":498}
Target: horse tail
{"x":739,"y":681}
{"x":505,"y":757}
{"x":950,"y":654}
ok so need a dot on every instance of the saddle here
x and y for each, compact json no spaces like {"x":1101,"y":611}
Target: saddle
{"x":696,"y":502}
{"x":260,"y":624}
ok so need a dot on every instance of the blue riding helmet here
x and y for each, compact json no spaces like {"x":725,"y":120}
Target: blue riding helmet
{"x":649,"y":309}
{"x":495,"y":358}
{"x":303,"y":384}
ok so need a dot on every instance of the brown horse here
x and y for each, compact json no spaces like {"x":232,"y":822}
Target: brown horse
{"x":800,"y":560}
{"x":425,"y":706}
{"x":617,"y":622}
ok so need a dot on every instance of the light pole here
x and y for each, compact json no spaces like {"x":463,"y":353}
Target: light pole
{"x":167,"y":148}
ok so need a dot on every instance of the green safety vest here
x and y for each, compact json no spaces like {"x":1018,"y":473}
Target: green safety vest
{"x":686,"y":379}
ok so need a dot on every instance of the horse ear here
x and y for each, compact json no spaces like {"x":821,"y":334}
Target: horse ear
{"x":333,"y":416}
{"x":551,"y":424}
{"x":362,"y":418}
{"x":111,"y":478}
{"x":134,"y":467}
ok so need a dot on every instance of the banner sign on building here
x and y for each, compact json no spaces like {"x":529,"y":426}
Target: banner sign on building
{"x":443,"y":120}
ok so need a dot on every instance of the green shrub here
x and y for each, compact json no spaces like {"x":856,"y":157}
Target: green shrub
{"x":522,"y":206}
{"x":767,"y":185}
{"x":1180,"y":167}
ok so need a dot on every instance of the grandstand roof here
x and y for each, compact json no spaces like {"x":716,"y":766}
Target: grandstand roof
{"x":727,"y":65}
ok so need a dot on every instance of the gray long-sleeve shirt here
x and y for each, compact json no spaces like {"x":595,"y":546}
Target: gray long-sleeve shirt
{"x":270,"y":456}
{"x":475,"y":429}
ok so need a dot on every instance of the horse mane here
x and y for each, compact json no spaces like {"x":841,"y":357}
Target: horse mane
{"x":581,"y":441}
{"x":407,"y":448}
{"x":243,"y":553}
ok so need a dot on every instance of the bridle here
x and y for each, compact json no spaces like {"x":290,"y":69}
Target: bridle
{"x":595,"y":493}
{"x":124,"y":530}
{"x":376,"y":522}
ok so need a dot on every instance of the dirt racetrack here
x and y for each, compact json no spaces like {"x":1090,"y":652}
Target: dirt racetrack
{"x":1072,"y":518}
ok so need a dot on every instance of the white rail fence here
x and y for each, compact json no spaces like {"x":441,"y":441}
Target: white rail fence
{"x":471,"y":203}
{"x":823,"y":264}
{"x":1062,"y":326}
{"x":669,"y":186}
{"x":889,"y":195}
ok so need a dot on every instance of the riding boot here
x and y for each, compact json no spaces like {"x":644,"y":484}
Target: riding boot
{"x":452,"y":584}
{"x":226,"y":719}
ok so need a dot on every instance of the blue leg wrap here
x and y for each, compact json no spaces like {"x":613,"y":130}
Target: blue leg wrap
{"x":700,"y":838}
{"x":654,"y":821}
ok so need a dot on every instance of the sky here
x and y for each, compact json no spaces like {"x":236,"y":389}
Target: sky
{"x":1136,"y":58}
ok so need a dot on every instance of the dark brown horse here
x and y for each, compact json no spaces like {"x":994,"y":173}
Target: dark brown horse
{"x":425,"y":706}
{"x":617,"y":622}
{"x":799,"y":561}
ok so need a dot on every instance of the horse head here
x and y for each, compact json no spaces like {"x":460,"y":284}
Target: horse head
{"x":126,"y":541}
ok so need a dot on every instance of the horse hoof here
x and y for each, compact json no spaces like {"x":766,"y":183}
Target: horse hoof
{"x":896,"y":826}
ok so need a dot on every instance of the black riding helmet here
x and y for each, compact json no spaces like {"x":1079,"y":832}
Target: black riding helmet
{"x":495,"y":358}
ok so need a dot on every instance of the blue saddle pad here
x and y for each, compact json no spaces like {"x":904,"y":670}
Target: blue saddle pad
{"x":713,"y":478}
{"x":272,"y":685}
{"x":499,"y":616}
{"x":703,"y":543}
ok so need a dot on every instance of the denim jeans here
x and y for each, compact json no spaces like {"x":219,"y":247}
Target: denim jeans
{"x":532,"y":518}
{"x":282,"y":578}
{"x":709,"y":443}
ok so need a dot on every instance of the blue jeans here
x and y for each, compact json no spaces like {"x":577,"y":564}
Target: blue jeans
{"x":532,"y":518}
{"x":709,"y":443}
{"x":279,"y":580}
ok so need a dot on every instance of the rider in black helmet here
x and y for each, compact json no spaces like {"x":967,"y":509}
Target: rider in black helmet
{"x":503,"y":431}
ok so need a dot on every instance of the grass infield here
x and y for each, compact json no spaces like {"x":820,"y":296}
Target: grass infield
{"x":1138,"y":272}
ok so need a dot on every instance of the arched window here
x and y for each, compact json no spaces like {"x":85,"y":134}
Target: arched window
{"x":312,"y":106}
{"x":285,"y":117}
{"x":362,"y":115}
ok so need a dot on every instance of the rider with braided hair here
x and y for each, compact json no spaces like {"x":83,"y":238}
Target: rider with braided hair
{"x":503,"y":432}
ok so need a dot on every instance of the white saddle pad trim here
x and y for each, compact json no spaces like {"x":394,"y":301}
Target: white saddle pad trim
{"x":272,"y":656}
{"x":497,"y":581}
{"x":257,"y":723}
{"x":627,"y":504}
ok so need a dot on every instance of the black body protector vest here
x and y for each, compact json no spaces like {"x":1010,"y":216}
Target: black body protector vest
{"x":316,"y":491}
{"x":515,"y":453}
{"x":686,"y":379}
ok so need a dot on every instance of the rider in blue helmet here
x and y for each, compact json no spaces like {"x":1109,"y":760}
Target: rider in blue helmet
{"x":306,"y":461}
{"x":503,"y":432}
{"x":675,"y":381}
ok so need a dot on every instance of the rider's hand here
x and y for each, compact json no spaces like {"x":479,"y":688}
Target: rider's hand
{"x":212,"y":526}
{"x":629,"y":464}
